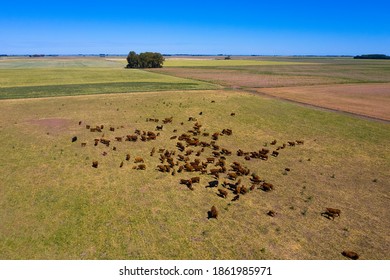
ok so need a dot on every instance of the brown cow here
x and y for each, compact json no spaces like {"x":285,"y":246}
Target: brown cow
{"x":237,"y":197}
{"x":213,"y":213}
{"x":267,"y":187}
{"x":271,"y":213}
{"x":95,"y":164}
{"x":141,"y":167}
{"x":223,"y":193}
{"x":350,"y":254}
{"x":138,"y":160}
{"x":331,"y":213}
{"x":195,"y":180}
{"x":127,"y":157}
{"x":121,"y":165}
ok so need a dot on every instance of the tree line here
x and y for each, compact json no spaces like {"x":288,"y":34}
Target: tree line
{"x":372,"y":56}
{"x":145,"y":60}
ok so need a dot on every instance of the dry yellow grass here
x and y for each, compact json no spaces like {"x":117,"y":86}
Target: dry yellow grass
{"x":56,"y":206}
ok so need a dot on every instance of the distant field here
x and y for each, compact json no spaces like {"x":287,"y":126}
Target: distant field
{"x":30,"y":78}
{"x":301,"y":75}
{"x":213,"y":62}
{"x":371,"y":100}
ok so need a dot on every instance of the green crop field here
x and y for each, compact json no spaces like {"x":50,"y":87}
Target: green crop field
{"x":64,"y":77}
{"x":55,"y":205}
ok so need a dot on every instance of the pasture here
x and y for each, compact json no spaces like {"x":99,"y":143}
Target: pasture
{"x":55,"y":205}
{"x":31,"y":78}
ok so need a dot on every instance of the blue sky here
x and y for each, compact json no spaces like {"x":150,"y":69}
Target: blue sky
{"x":195,"y":27}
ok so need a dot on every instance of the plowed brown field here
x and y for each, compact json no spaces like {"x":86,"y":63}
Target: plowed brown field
{"x":371,"y":100}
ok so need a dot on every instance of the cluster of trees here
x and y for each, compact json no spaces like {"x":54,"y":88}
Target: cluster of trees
{"x":145,"y":60}
{"x":372,"y":56}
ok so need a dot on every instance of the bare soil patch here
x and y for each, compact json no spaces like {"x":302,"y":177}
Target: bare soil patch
{"x":52,"y":124}
{"x":372,"y":100}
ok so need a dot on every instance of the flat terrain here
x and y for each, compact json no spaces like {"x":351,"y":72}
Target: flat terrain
{"x":345,"y":84}
{"x":31,"y":78}
{"x":55,"y":205}
{"x":371,"y":100}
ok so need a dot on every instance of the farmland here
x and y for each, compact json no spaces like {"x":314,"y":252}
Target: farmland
{"x":55,"y":205}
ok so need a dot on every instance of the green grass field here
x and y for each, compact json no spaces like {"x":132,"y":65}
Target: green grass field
{"x":54,"y":205}
{"x":64,"y":77}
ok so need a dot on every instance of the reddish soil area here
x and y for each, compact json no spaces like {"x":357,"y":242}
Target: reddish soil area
{"x":52,"y":124}
{"x":371,"y":100}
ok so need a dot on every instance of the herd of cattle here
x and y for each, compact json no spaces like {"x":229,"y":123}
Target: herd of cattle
{"x":197,"y":153}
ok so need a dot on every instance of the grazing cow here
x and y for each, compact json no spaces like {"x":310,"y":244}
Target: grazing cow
{"x":213,"y":213}
{"x":167,"y":120}
{"x":273,"y":142}
{"x":119,"y":139}
{"x":188,"y":183}
{"x":206,"y":134}
{"x":152,"y":151}
{"x":222,"y":193}
{"x":215,"y":136}
{"x":121,"y":165}
{"x":195,"y":180}
{"x":74,"y":139}
{"x":256,"y":179}
{"x":232,"y":175}
{"x":227,"y":131}
{"x":287,"y":169}
{"x":271,"y":213}
{"x":141,"y":167}
{"x":267,"y":187}
{"x":80,"y":122}
{"x":200,"y":113}
{"x":83,"y":144}
{"x":216,"y":154}
{"x":127,"y":157}
{"x":95,"y":164}
{"x":350,"y":254}
{"x":138,"y":160}
{"x":331,"y":213}
{"x":87,"y":126}
{"x":232,"y":114}
{"x":210,"y":160}
{"x":299,"y":142}
{"x":263,"y":157}
{"x":237,"y":197}
{"x":173,"y":137}
{"x":132,"y":138}
{"x":112,"y":128}
{"x":290,"y":143}
{"x":243,"y":190}
{"x":212,"y":184}
{"x":275,"y":153}
{"x":159,"y":127}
